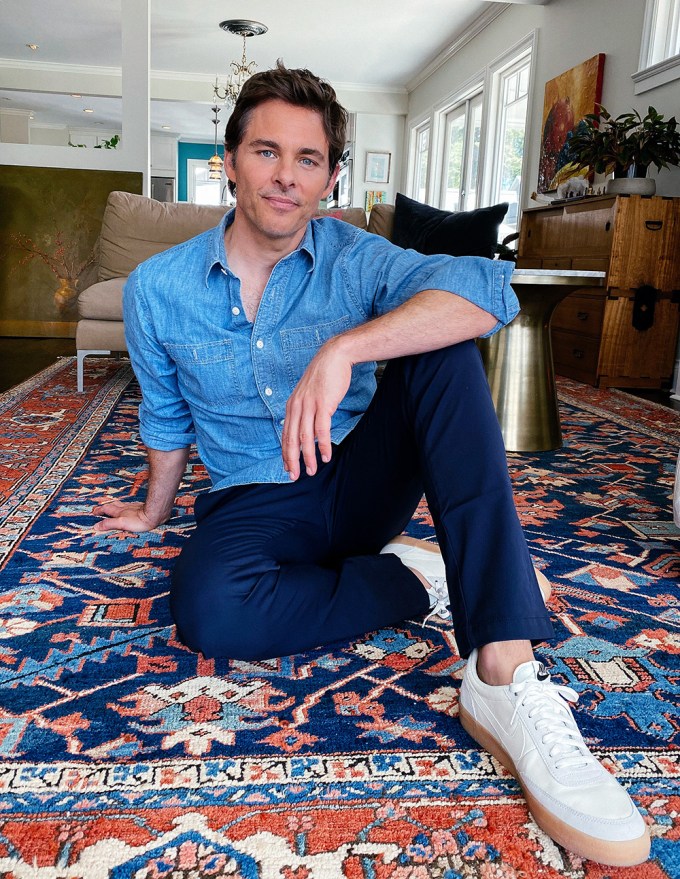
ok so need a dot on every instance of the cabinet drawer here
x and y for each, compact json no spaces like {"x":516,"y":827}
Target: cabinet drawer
{"x":556,"y":262}
{"x":575,"y":356}
{"x":580,"y":314}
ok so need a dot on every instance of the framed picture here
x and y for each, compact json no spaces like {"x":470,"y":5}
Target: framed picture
{"x":568,"y":98}
{"x":374,"y":197}
{"x":378,"y":167}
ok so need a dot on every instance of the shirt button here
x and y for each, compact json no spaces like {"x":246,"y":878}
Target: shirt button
{"x":259,"y":343}
{"x":268,"y":392}
{"x":282,"y":422}
{"x":236,"y":310}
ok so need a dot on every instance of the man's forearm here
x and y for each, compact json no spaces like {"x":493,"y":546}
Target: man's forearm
{"x":165,"y":474}
{"x":430,"y":320}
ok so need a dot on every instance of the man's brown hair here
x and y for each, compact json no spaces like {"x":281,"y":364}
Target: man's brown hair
{"x":299,"y":87}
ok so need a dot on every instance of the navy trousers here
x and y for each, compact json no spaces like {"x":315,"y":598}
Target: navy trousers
{"x":272,"y":570}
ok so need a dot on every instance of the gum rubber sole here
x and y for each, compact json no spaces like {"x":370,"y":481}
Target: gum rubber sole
{"x":603,"y":851}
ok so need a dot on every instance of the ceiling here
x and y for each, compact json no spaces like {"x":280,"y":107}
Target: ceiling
{"x":381,"y":44}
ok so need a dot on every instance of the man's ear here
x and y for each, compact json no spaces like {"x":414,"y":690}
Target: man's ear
{"x":331,"y":182}
{"x":229,"y":168}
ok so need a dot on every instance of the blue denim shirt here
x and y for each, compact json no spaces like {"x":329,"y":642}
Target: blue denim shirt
{"x":210,"y":376}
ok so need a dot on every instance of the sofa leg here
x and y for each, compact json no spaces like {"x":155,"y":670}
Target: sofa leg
{"x":80,"y":360}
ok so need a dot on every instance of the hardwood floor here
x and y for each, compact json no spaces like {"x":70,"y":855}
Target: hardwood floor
{"x":22,"y":357}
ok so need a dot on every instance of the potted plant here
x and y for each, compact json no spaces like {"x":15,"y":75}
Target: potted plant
{"x":626,"y":145}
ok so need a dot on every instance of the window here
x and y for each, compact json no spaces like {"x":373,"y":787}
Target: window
{"x":470,"y":152}
{"x":512,"y":91}
{"x":421,"y":155}
{"x":463,"y":132}
{"x":660,"y":50}
{"x":202,"y":190}
{"x":662,"y":32}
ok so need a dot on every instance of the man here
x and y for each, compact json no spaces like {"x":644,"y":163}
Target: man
{"x":258,"y":341}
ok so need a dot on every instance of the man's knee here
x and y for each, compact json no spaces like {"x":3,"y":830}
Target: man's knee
{"x":213,"y":607}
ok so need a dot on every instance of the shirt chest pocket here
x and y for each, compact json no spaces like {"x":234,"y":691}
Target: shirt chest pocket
{"x":300,"y":344}
{"x":207,"y":372}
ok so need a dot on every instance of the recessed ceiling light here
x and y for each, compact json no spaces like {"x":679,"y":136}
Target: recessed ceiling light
{"x":165,"y":127}
{"x":74,"y":95}
{"x":88,"y":110}
{"x":32,"y":46}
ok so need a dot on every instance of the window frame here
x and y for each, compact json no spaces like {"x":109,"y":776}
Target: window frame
{"x":514,"y":59}
{"x":661,"y":25}
{"x":418,"y":127}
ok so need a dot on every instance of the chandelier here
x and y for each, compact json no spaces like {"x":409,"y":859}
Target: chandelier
{"x":240,"y":71}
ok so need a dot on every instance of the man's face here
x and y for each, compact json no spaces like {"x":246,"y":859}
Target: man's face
{"x":280,"y":170}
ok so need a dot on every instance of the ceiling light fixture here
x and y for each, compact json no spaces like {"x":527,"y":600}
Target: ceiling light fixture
{"x":243,"y":70}
{"x":32,"y":46}
{"x":88,"y":110}
{"x":215,"y":161}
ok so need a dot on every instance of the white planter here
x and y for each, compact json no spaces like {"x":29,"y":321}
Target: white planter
{"x":631,"y":186}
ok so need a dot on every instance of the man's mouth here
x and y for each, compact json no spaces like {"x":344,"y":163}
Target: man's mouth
{"x":284,"y":202}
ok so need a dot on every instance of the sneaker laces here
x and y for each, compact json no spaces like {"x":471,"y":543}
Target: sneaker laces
{"x":439,"y":599}
{"x":546,"y":706}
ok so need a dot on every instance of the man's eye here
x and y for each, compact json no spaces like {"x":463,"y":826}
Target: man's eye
{"x":308,"y":161}
{"x":266,"y":153}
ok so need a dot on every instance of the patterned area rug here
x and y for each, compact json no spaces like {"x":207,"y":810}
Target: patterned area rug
{"x":125,"y":755}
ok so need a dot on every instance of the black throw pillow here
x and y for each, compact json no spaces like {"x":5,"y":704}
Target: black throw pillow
{"x":461,"y":233}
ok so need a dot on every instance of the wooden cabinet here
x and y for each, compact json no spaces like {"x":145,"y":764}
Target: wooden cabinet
{"x":625,"y":335}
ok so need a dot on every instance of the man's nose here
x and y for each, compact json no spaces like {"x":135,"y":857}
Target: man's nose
{"x":284,"y":172}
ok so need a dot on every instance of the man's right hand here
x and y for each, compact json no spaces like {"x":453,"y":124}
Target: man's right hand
{"x":119,"y":516}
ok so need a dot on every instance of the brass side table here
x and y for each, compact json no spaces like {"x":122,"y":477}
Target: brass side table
{"x":519,"y":364}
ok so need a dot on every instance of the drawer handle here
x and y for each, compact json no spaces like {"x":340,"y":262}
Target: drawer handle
{"x":654,"y":225}
{"x":582,"y":315}
{"x":577,"y":354}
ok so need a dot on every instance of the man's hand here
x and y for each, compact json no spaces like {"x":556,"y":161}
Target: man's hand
{"x":119,"y":516}
{"x":310,"y":408}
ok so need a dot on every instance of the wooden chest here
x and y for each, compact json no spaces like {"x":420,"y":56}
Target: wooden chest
{"x":625,"y":335}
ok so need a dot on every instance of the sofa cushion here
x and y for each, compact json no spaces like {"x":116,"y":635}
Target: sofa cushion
{"x":135,"y":227}
{"x":462,"y":233}
{"x":354,"y":216}
{"x":102,"y":301}
{"x":381,"y":220}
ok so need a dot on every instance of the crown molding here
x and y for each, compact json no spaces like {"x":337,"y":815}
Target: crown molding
{"x":473,"y":31}
{"x":50,"y":67}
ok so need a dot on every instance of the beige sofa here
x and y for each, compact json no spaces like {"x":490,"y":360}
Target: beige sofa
{"x":133,"y":229}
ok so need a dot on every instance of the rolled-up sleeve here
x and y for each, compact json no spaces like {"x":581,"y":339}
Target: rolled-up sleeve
{"x":393,"y":275}
{"x":165,"y":422}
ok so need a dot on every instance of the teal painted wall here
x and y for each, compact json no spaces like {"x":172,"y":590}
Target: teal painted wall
{"x":191,"y":151}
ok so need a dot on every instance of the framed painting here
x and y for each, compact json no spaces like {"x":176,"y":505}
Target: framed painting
{"x":568,"y":98}
{"x":374,"y":196}
{"x":377,"y":167}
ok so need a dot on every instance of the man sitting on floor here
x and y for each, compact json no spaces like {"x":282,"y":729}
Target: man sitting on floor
{"x":258,"y":341}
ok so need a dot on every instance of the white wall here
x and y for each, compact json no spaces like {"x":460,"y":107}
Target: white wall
{"x":569,"y":32}
{"x":377,"y":133}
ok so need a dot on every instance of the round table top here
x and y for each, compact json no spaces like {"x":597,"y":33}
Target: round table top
{"x":559,"y":277}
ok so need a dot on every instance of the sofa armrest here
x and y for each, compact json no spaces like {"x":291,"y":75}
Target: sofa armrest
{"x":102,"y":301}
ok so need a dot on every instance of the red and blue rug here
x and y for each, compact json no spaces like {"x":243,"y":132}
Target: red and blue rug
{"x":125,"y":756}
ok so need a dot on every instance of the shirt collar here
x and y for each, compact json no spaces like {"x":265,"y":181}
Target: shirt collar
{"x":217,"y":255}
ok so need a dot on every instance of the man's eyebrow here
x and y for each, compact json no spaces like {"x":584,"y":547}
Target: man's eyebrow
{"x":262,"y":143}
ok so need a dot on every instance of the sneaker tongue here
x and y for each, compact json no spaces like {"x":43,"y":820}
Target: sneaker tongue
{"x":530,"y":671}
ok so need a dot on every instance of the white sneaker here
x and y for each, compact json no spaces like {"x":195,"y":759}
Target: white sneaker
{"x":427,"y":560}
{"x":528,"y":726}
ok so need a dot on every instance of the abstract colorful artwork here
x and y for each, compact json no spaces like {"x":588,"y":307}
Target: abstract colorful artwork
{"x":125,"y":756}
{"x":568,"y":98}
